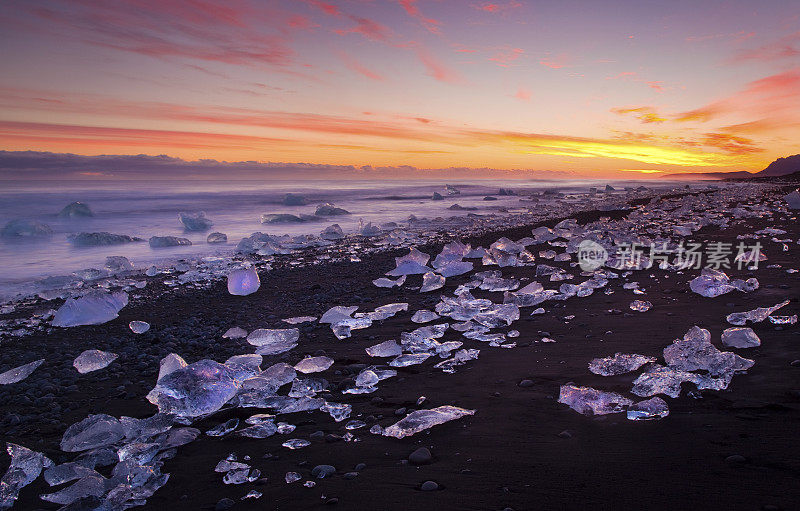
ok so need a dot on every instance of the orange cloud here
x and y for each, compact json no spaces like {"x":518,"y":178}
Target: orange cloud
{"x":496,"y":8}
{"x":523,"y":94}
{"x":554,"y":63}
{"x":646,"y":114}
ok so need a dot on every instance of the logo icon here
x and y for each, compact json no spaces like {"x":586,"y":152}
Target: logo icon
{"x":591,"y":255}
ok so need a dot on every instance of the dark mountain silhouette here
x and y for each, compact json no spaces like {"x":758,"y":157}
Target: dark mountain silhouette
{"x":782,"y":166}
{"x":779,"y":167}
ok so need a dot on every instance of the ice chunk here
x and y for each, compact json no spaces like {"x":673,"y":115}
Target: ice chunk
{"x":274,"y":341}
{"x":783,"y":320}
{"x":169,"y":364}
{"x":695,"y":351}
{"x":420,"y":420}
{"x":243,"y":282}
{"x":589,"y":401}
{"x":197,"y":389}
{"x":241,"y":475}
{"x":59,"y":474}
{"x":792,"y":199}
{"x":368,"y":229}
{"x":217,"y":237}
{"x":460,"y":357}
{"x":385,"y":349}
{"x":19,"y":373}
{"x":92,"y":309}
{"x":620,"y":363}
{"x":139,"y":327}
{"x":235,"y":333}
{"x":76,"y":210}
{"x":92,"y":360}
{"x":338,"y":411}
{"x":299,"y":319}
{"x":262,"y":430}
{"x":740,"y":337}
{"x":87,"y":486}
{"x":386,"y":311}
{"x":431,"y":282}
{"x":640,"y":305}
{"x":329,"y":209}
{"x":292,"y":477}
{"x":313,"y":364}
{"x":296,"y":443}
{"x":118,"y":263}
{"x":712,"y":283}
{"x":26,"y":465}
{"x":244,"y":366}
{"x":99,"y":239}
{"x":424,"y":316}
{"x":754,"y":316}
{"x":167,"y":241}
{"x":409,"y":359}
{"x":224,"y":428}
{"x":284,"y":218}
{"x":332,"y":232}
{"x":22,"y":228}
{"x":455,"y":268}
{"x":384,"y":282}
{"x":657,"y":379}
{"x":649,"y":409}
{"x":94,"y":431}
{"x":338,"y":313}
{"x":195,"y":222}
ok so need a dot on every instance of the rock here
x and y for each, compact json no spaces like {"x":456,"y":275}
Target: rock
{"x":421,"y":456}
{"x":76,"y":210}
{"x":223,"y":504}
{"x":526,"y":383}
{"x":323,"y":471}
{"x":332,"y":501}
{"x":294,"y":199}
{"x":437,"y":196}
{"x":429,"y":486}
{"x":217,"y":237}
{"x":735,"y":459}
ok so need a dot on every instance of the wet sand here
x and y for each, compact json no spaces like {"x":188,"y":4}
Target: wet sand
{"x":521,"y":449}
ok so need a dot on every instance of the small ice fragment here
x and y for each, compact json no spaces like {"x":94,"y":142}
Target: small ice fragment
{"x":118,"y":263}
{"x":754,"y":316}
{"x":274,"y":341}
{"x":25,"y":467}
{"x":253,"y":494}
{"x":409,"y":359}
{"x":354,"y":424}
{"x":389,"y":283}
{"x":235,"y":333}
{"x":92,"y":360}
{"x":740,"y":337}
{"x":284,"y":428}
{"x":92,"y":309}
{"x":139,"y":327}
{"x":337,"y":314}
{"x":94,"y":431}
{"x":19,"y":373}
{"x":262,"y":430}
{"x":641,"y":305}
{"x":76,"y":210}
{"x":299,"y":319}
{"x":87,"y":486}
{"x":243,"y":282}
{"x":339,"y":411}
{"x":313,"y":364}
{"x":431,"y":282}
{"x":424,"y":316}
{"x":241,"y":475}
{"x":296,"y":443}
{"x":292,"y":477}
{"x":649,"y":409}
{"x":224,"y":428}
{"x":385,"y":349}
{"x":783,"y":320}
{"x":196,"y":222}
{"x":620,"y":363}
{"x":420,"y":420}
{"x":217,"y":237}
{"x":589,"y":401}
{"x":332,"y":232}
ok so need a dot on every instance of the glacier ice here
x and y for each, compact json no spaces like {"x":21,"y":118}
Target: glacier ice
{"x":338,"y":313}
{"x":299,"y":319}
{"x":195,"y":222}
{"x":19,"y":373}
{"x":235,"y":333}
{"x":313,"y":364}
{"x":754,"y":316}
{"x":273,"y":341}
{"x":620,"y":363}
{"x":93,"y":360}
{"x":243,"y":282}
{"x":197,"y":389}
{"x":118,"y":263}
{"x":385,"y":349}
{"x":329,"y":209}
{"x":139,"y":327}
{"x":217,"y":237}
{"x":76,"y":210}
{"x":389,"y":283}
{"x":641,"y":305}
{"x":712,"y":283}
{"x":589,"y":401}
{"x":649,"y":409}
{"x":332,"y":232}
{"x":99,"y":239}
{"x":25,"y":467}
{"x":431,"y":282}
{"x":94,"y":431}
{"x":170,"y":363}
{"x":695,"y":352}
{"x":420,"y":420}
{"x":167,"y":241}
{"x":740,"y":337}
{"x":23,"y":228}
{"x":792,"y":199}
{"x":424,"y":316}
{"x":93,"y":308}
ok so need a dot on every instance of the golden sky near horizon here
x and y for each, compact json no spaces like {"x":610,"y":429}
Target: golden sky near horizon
{"x":596,"y":88}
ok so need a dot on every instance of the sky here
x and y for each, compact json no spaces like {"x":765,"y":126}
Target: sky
{"x":587,"y":88}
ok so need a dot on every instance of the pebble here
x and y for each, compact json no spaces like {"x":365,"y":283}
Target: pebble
{"x":429,"y":486}
{"x":735,"y":459}
{"x":360,"y":467}
{"x":321,"y":471}
{"x":421,"y":456}
{"x":795,"y":363}
{"x":350,"y":475}
{"x":526,"y":383}
{"x":332,"y":501}
{"x":565,"y":434}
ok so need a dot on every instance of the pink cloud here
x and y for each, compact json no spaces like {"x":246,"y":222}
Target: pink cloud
{"x":437,"y":69}
{"x":497,"y":8}
{"x":786,"y":47}
{"x":412,"y":10}
{"x":358,"y":67}
{"x":505,"y":56}
{"x":523,"y":94}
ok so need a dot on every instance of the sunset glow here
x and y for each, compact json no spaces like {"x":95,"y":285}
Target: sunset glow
{"x":528,"y":86}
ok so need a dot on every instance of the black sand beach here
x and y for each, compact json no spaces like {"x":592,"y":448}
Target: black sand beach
{"x":732,"y":449}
